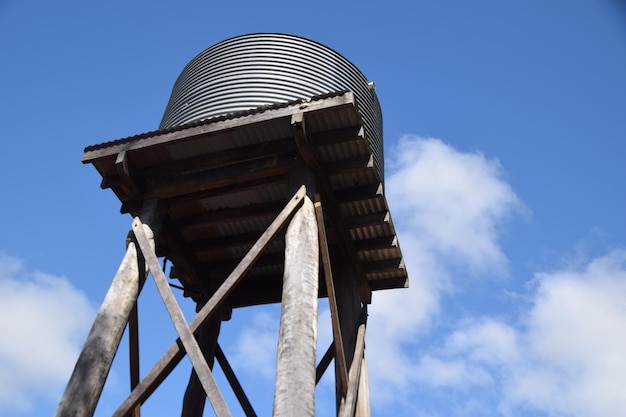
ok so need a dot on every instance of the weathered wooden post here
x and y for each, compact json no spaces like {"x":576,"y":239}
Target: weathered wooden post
{"x":263,"y":184}
{"x":92,"y":368}
{"x":294,"y":393}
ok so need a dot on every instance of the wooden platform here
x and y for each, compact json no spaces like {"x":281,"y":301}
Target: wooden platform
{"x":225,"y":179}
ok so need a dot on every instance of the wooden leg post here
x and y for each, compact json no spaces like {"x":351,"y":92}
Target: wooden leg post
{"x":295,"y":369}
{"x":94,"y":362}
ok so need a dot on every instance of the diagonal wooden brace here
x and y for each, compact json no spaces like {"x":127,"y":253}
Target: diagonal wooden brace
{"x":340,"y":356}
{"x":182,"y":328}
{"x":234,"y":383}
{"x":348,"y":403}
{"x":176,"y":352}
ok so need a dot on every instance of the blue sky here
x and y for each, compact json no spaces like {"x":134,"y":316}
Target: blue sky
{"x":505,"y":129}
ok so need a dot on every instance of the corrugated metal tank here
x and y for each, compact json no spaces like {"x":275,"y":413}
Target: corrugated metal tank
{"x":253,"y":70}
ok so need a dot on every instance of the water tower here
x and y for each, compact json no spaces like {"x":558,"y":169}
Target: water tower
{"x":263,"y":184}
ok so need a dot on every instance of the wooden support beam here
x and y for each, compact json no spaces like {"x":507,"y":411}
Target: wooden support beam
{"x":294,"y":393}
{"x":324,"y":362}
{"x":348,"y":404}
{"x":227,"y":190}
{"x":333,"y":137}
{"x":378,"y":243}
{"x":94,"y":362}
{"x":364,"y":192}
{"x":130,"y":178}
{"x":212,"y":217}
{"x":175,"y":352}
{"x":363,"y":408}
{"x":220,"y":159}
{"x":180,"y":323}
{"x":340,"y":357}
{"x":271,"y":166}
{"x":350,"y":312}
{"x":195,"y":397}
{"x":234,"y":383}
{"x":348,"y":165}
{"x":133,"y":343}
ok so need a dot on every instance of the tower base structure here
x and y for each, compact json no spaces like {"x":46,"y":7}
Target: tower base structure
{"x":278,"y":204}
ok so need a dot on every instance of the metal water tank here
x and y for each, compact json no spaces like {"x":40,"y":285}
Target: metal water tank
{"x":249,"y":71}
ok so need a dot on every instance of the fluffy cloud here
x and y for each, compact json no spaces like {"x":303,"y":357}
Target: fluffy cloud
{"x":256,"y":345}
{"x":448,"y":208}
{"x":575,"y":342}
{"x":566,"y":359}
{"x":43,"y":322}
{"x":452,"y":202}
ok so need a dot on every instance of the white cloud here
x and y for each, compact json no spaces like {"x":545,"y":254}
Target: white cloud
{"x":43,"y":322}
{"x":568,"y":358}
{"x":576,"y":341}
{"x":256,"y":345}
{"x":487,"y":340}
{"x":447,"y":206}
{"x":453,"y":202}
{"x":453,"y":373}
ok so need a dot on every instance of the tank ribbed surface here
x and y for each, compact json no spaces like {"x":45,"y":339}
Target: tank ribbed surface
{"x":250,"y":71}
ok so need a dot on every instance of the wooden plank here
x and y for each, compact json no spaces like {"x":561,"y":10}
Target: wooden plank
{"x":175,"y":352}
{"x":180,"y":323}
{"x":228,"y":190}
{"x":384,"y":265}
{"x":194,"y":400}
{"x":294,"y":393}
{"x":234,"y":383}
{"x":133,"y":343}
{"x":363,"y":408}
{"x":340,"y":357}
{"x":220,"y":159}
{"x":95,"y":152}
{"x":227,"y":264}
{"x":348,"y":404}
{"x":363,"y":192}
{"x":379,"y":243}
{"x":389,"y":283}
{"x":324,"y":362}
{"x":211,"y":217}
{"x":349,"y":165}
{"x":224,"y":242}
{"x":362,"y":166}
{"x":94,"y":362}
{"x":272,"y":166}
{"x":333,"y":137}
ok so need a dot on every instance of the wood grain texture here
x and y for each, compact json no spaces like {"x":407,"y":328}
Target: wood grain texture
{"x":294,"y":393}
